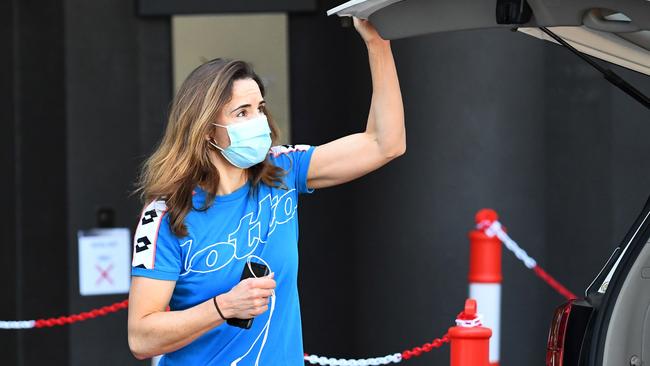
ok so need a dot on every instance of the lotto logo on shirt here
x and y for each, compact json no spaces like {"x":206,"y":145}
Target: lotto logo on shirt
{"x":257,"y":227}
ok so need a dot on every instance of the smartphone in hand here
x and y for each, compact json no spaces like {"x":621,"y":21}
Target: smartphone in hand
{"x":258,"y":270}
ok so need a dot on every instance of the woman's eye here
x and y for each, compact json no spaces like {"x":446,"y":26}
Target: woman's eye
{"x":241,"y":114}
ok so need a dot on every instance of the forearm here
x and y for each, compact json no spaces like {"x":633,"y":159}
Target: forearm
{"x":164,"y":332}
{"x":386,"y":116}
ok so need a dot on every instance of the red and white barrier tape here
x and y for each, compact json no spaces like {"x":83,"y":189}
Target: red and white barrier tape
{"x":313,"y":359}
{"x":319,"y":360}
{"x":394,"y":358}
{"x":491,"y":228}
{"x":470,"y":323}
{"x":63,"y":320}
{"x":494,"y":228}
{"x":18,"y":324}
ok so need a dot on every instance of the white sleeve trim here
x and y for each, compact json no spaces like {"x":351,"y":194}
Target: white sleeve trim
{"x":146,"y":235}
{"x":286,"y":149}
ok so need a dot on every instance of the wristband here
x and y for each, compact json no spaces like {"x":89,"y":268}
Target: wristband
{"x":214,"y":300}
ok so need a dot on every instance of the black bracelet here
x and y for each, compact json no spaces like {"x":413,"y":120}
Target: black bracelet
{"x":214,"y":300}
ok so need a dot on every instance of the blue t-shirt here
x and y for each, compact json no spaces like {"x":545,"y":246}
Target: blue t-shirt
{"x":260,"y":223}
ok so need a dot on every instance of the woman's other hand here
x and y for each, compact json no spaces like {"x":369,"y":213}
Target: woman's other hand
{"x":248,"y":299}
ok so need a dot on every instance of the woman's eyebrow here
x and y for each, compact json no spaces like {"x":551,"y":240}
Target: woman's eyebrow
{"x":263,"y":102}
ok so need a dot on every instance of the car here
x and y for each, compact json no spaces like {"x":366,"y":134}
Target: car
{"x":617,"y":31}
{"x":610,"y":325}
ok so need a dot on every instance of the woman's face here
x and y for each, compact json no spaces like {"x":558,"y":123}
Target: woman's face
{"x":246,"y":103}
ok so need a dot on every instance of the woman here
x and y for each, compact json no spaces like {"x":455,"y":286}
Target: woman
{"x":221,"y":198}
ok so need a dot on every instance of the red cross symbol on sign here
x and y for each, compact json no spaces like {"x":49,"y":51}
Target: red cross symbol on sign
{"x":103,"y":274}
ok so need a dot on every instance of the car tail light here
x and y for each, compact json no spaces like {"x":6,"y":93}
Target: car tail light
{"x":555,"y":346}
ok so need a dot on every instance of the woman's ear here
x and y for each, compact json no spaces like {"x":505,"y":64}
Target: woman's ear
{"x":209,"y":135}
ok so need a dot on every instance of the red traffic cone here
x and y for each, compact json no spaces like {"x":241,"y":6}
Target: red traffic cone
{"x":470,"y":341}
{"x":485,"y":276}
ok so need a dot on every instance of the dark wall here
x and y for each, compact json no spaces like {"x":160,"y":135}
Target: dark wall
{"x":474,"y":140}
{"x":329,"y":90}
{"x":630,"y":155}
{"x":494,"y":119}
{"x":85,"y":88}
{"x":8,"y":258}
{"x":118,"y":77}
{"x":33,"y":164}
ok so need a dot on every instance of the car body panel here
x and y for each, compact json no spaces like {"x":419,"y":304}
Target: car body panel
{"x":628,"y":331}
{"x":603,"y":45}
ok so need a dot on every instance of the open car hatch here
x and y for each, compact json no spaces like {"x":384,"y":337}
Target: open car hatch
{"x":617,"y":31}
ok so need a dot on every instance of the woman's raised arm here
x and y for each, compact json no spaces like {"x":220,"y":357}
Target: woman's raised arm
{"x":384,"y":139}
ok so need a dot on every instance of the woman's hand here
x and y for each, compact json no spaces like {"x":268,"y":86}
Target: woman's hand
{"x":248,"y":299}
{"x":367,"y":31}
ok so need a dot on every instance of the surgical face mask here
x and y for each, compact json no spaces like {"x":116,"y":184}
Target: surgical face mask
{"x":250,"y":142}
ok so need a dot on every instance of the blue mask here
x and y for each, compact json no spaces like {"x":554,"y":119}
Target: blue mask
{"x":250,"y":142}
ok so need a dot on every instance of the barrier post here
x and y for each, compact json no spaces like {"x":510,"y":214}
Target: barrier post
{"x":470,"y":341}
{"x":485,"y":277}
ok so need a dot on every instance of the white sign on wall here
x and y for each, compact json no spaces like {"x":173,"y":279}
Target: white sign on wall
{"x":104,"y":261}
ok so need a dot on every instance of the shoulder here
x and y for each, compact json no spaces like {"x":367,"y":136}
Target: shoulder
{"x":285,"y":155}
{"x":152,"y":224}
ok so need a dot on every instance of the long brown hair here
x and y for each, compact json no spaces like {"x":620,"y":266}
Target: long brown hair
{"x":181,"y":161}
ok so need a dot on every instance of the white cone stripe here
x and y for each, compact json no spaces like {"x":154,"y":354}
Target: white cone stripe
{"x":488,"y":299}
